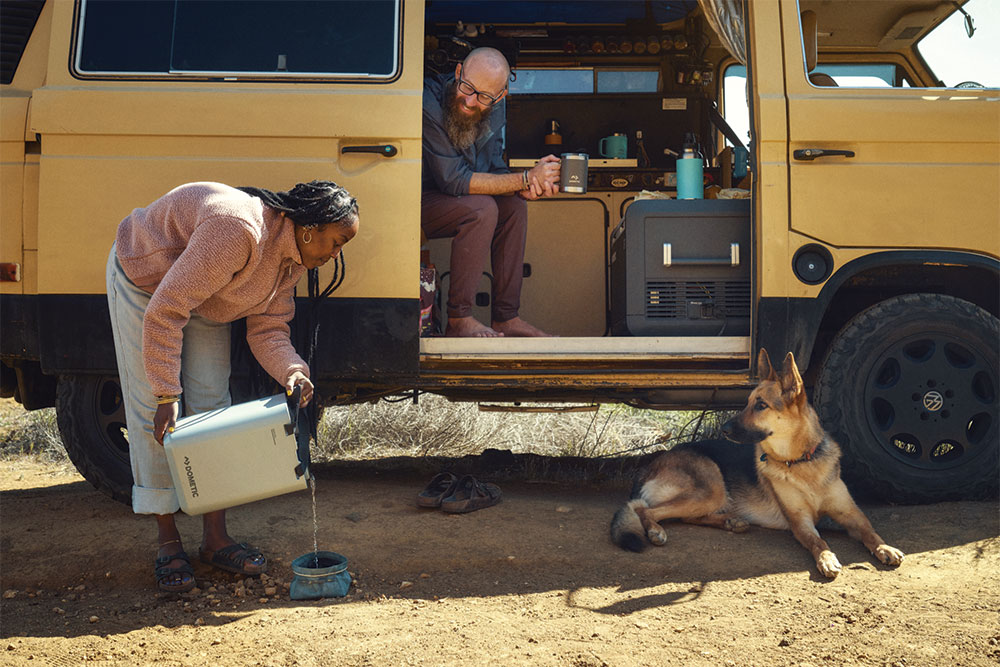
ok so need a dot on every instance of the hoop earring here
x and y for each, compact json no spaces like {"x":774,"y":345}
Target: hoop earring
{"x":307,"y":239}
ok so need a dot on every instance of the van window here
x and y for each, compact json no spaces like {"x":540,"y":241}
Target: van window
{"x":961,"y":61}
{"x":584,"y":80}
{"x":865,"y":75}
{"x":247,"y":39}
{"x":17,"y":21}
{"x":735,"y":107}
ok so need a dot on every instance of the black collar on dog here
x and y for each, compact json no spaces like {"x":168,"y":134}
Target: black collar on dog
{"x":805,"y":457}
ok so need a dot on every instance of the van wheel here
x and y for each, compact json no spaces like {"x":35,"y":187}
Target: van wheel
{"x":909,"y":389}
{"x":91,"y":417}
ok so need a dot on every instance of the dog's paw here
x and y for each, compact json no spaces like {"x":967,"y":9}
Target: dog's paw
{"x":888,"y":555}
{"x":737,"y":525}
{"x":828,"y":564}
{"x":657,"y":536}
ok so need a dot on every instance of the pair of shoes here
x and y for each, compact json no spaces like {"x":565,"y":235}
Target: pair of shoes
{"x":470,"y":495}
{"x":239,"y":557}
{"x":165,"y":576}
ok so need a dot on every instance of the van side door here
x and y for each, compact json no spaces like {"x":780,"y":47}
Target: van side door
{"x":889,"y":167}
{"x":141,"y":97}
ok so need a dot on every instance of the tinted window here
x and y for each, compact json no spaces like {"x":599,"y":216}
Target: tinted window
{"x":254,"y":37}
{"x":17,"y":20}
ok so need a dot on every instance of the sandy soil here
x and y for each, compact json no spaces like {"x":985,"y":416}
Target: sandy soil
{"x":533,"y":580}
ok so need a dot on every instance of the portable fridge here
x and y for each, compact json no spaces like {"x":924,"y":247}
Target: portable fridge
{"x":682,"y":268}
{"x":238,"y":454}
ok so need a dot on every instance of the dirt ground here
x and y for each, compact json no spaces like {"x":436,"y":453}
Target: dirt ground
{"x":532,"y":581}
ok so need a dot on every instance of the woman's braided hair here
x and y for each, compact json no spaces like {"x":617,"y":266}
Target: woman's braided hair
{"x":311,"y":204}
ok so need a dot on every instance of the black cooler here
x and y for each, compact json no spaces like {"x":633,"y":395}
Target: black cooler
{"x":682,"y":268}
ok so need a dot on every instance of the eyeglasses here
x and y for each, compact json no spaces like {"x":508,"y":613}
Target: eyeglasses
{"x":485,"y":99}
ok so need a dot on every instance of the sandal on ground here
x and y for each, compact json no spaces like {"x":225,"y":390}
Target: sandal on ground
{"x":471,"y":495}
{"x":165,"y":576}
{"x":237,"y":557}
{"x":440,"y":487}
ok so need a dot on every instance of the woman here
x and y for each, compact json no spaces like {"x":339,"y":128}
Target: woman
{"x":180,"y":270}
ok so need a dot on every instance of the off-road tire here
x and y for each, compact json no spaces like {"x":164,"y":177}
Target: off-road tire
{"x":91,"y":418}
{"x":909,"y":388}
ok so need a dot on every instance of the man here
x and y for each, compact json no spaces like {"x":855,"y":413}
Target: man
{"x":468,"y":192}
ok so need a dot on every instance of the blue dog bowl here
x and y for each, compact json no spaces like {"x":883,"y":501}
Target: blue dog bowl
{"x":319,"y":574}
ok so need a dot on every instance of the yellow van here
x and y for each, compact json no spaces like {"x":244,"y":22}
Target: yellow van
{"x":851,"y":191}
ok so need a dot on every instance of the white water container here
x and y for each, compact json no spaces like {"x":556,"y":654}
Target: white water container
{"x":235,"y":455}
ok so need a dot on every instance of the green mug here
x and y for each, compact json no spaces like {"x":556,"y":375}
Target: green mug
{"x":615,"y":146}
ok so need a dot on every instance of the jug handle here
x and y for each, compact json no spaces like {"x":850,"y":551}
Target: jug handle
{"x":294,"y":399}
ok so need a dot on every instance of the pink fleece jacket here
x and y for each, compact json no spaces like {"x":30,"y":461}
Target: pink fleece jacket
{"x":211,"y":249}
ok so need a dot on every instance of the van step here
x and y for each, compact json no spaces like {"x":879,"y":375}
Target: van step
{"x":618,"y":348}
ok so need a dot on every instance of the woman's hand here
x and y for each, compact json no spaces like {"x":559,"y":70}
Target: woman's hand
{"x":299,"y":378}
{"x":165,"y":418}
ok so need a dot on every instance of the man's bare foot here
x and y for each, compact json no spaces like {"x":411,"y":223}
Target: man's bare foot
{"x":469,"y":327}
{"x":519,"y":328}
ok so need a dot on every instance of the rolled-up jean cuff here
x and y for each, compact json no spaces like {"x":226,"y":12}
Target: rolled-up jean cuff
{"x":154,"y":501}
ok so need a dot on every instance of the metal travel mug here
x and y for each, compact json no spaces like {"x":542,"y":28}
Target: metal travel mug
{"x":573,"y":173}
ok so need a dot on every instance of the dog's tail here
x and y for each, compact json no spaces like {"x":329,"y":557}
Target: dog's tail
{"x":626,"y":529}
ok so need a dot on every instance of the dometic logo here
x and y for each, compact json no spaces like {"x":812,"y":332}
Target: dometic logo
{"x":933,"y":401}
{"x":192,"y":485}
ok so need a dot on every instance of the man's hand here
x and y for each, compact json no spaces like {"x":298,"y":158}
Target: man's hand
{"x":165,"y":418}
{"x":299,"y":378}
{"x":543,"y":178}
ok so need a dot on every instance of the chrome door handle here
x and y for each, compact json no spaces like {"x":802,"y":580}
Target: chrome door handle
{"x":810,"y":154}
{"x":385,"y":150}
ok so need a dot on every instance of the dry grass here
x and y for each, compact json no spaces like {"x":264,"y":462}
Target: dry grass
{"x":438,"y":427}
{"x":433,"y":427}
{"x":30,"y":434}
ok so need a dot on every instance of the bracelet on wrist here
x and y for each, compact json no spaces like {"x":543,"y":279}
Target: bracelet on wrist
{"x":164,"y":400}
{"x":524,"y":180}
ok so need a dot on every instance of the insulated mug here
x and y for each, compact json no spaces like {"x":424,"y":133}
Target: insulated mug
{"x":615,"y":146}
{"x":573,"y":173}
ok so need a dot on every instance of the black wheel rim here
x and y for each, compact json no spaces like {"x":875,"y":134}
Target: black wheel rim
{"x":109,"y":413}
{"x":931,"y":401}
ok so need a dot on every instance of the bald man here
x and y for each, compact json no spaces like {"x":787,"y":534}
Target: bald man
{"x":470,"y":195}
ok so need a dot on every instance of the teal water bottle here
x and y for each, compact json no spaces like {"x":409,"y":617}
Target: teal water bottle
{"x":690,"y":171}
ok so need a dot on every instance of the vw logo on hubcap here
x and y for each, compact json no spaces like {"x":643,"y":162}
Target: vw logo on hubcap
{"x":933,"y":401}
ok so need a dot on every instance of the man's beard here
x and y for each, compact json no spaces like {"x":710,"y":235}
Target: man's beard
{"x":463,"y":129}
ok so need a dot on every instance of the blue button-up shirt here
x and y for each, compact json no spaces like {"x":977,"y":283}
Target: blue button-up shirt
{"x":446,"y":168}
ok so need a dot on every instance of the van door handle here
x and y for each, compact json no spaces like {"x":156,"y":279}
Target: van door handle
{"x":385,"y":150}
{"x":809,"y":154}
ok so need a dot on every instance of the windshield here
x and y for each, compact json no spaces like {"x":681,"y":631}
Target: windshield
{"x":957,"y":59}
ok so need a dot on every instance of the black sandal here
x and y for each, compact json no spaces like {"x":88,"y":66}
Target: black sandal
{"x":234,"y":557}
{"x":440,"y":487}
{"x":164,"y":573}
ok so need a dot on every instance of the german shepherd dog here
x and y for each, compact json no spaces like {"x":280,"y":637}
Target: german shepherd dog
{"x":781,"y":470}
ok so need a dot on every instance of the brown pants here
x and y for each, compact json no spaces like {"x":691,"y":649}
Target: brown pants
{"x":483,"y":226}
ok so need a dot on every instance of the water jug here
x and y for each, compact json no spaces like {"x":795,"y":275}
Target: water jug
{"x":238,"y":454}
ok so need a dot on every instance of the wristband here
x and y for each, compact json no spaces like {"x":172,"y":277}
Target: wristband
{"x":164,"y":400}
{"x":524,"y":180}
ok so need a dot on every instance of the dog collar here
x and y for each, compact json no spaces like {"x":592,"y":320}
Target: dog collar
{"x":805,"y":457}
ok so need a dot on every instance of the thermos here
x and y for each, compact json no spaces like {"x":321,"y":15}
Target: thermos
{"x":573,"y":173}
{"x":690,"y":170}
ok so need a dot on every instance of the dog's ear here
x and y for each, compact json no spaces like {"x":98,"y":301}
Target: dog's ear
{"x":764,"y":369}
{"x":791,"y":381}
